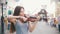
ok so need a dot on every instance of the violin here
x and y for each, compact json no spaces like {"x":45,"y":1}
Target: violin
{"x":30,"y":18}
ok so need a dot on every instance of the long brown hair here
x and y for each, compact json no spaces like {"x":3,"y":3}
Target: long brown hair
{"x":17,"y":10}
{"x":16,"y":13}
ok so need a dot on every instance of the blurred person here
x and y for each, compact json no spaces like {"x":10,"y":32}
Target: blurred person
{"x":21,"y":24}
{"x":55,"y":22}
{"x":6,"y":20}
{"x":38,"y":17}
{"x":52,"y":21}
{"x":6,"y":25}
{"x":59,"y":23}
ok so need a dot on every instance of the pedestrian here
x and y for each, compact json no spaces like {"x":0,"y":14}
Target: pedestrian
{"x":59,"y":23}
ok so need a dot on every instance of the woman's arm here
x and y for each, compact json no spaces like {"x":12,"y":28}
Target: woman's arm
{"x":11,"y":16}
{"x":32,"y":26}
{"x":12,"y":20}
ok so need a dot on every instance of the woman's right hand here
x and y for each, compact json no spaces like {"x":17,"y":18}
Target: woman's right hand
{"x":23,"y":19}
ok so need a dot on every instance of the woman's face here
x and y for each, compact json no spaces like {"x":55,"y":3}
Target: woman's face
{"x":22,"y":12}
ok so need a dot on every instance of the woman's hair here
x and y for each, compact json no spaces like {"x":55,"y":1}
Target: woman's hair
{"x":16,"y":13}
{"x":17,"y":10}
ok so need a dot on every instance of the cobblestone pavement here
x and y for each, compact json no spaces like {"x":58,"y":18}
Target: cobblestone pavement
{"x":42,"y":28}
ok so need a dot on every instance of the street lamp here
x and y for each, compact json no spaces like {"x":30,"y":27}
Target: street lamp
{"x":2,"y":2}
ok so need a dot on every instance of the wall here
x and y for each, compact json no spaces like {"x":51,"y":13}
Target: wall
{"x":57,"y":13}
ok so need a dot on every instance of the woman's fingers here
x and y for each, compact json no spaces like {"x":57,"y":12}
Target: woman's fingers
{"x":24,"y":19}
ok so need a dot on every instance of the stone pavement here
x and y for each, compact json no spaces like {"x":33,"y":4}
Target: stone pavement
{"x":44,"y":28}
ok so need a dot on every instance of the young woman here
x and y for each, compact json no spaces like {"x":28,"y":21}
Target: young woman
{"x":20,"y":22}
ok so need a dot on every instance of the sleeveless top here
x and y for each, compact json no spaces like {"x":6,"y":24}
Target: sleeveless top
{"x":21,"y":28}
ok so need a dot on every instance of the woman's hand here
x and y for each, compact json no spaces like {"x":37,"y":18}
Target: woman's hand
{"x":25,"y":19}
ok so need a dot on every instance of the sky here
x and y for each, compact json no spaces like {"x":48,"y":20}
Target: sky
{"x":34,"y":6}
